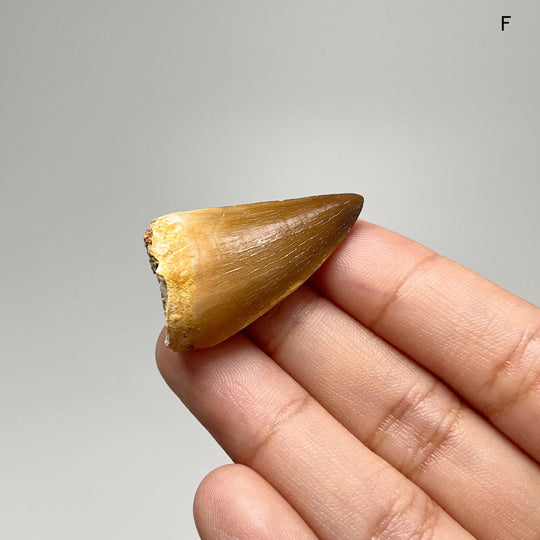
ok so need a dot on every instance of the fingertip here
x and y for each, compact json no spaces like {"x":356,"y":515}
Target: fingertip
{"x":160,"y":346}
{"x":233,"y":501}
{"x":207,"y":496}
{"x":187,"y":372}
{"x":165,"y":358}
{"x":172,"y":364}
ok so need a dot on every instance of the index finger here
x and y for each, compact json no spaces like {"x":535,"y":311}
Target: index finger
{"x":480,"y":339}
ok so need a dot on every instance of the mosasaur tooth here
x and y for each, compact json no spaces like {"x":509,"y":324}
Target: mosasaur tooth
{"x":219,"y":269}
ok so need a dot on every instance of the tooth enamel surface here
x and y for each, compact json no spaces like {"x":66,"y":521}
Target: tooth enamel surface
{"x":221,"y":268}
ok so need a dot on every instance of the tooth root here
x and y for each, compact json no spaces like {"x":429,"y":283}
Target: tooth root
{"x":219,"y":269}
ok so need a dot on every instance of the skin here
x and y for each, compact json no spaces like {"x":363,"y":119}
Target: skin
{"x":397,"y":395}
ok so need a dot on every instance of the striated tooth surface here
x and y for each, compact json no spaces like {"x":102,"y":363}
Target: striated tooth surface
{"x":219,"y":269}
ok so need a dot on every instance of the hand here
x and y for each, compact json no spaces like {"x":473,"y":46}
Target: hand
{"x":395,"y":396}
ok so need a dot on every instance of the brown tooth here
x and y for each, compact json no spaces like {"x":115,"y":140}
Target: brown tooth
{"x":219,"y":269}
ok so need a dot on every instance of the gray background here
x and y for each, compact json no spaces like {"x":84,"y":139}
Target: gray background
{"x":112,"y":113}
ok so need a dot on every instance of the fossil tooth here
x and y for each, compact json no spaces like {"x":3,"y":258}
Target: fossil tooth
{"x":219,"y":269}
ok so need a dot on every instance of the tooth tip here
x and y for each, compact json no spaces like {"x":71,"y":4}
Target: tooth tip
{"x":353,"y":202}
{"x":221,"y":268}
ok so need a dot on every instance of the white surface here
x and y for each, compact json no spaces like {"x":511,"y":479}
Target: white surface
{"x":113,"y":113}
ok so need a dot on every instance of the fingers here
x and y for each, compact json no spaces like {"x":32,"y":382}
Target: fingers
{"x":404,"y":414}
{"x":235,"y":502}
{"x":266,"y":421}
{"x":482,"y":340}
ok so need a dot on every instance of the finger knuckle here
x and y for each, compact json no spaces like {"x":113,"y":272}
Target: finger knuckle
{"x":514,"y":376}
{"x":267,"y":435}
{"x":430,"y":414}
{"x":410,"y":514}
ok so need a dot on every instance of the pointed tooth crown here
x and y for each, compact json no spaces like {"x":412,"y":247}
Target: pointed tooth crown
{"x":219,"y":269}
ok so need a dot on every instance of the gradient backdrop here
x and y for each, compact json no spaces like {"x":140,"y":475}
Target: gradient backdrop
{"x":112,"y":113}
